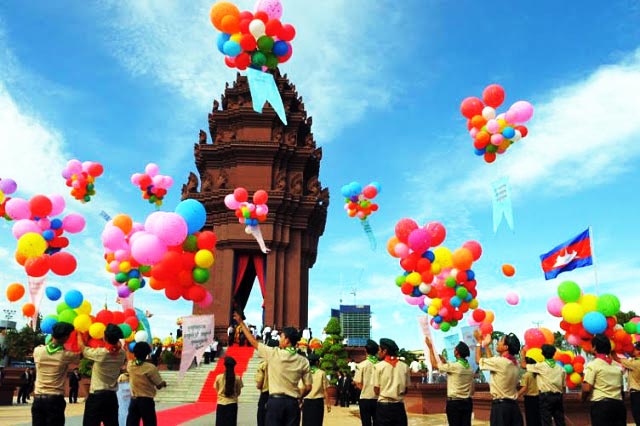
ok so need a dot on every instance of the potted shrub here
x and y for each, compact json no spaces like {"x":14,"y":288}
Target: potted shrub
{"x":333,"y":355}
{"x":169,"y":359}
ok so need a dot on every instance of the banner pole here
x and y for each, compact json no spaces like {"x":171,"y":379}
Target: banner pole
{"x":593,"y":258}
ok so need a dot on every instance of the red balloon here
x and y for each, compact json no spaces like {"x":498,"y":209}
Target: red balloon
{"x":196,"y":293}
{"x":244,"y":26}
{"x":104,"y":316}
{"x":273,"y":27}
{"x":486,"y":328}
{"x":493,"y":95}
{"x":408,"y":263}
{"x":287,"y":32}
{"x":370,"y":191}
{"x":489,"y":157}
{"x":260,"y":197}
{"x":523,"y":130}
{"x":129,"y":312}
{"x":63,"y":263}
{"x":207,"y":240}
{"x":475,"y":248}
{"x":173,"y":292}
{"x":40,"y":206}
{"x":132,"y":322}
{"x":471,"y":106}
{"x":37,"y":266}
{"x":437,"y":232}
{"x":118,"y":317}
{"x":230,"y":62}
{"x":246,"y":15}
{"x":95,"y":169}
{"x":404,"y":228}
{"x":406,"y":289}
{"x":479,"y":315}
{"x":240,"y":194}
{"x":188,"y":262}
{"x":247,"y":42}
{"x":261,"y":16}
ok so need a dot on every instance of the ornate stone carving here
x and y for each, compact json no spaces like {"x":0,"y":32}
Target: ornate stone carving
{"x":309,"y":121}
{"x":202,"y":137}
{"x":290,"y":139}
{"x":207,"y":182}
{"x":216,"y":105}
{"x":191,"y":186}
{"x":223,"y":179}
{"x":281,"y":180}
{"x":313,"y":186}
{"x":296,"y":184}
{"x":308,"y":140}
{"x":276,"y":134}
{"x":323,"y":198}
{"x":317,"y":154}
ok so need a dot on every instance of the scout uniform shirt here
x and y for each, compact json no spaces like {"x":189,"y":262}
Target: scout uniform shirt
{"x":219,"y":385}
{"x":262,"y":375}
{"x":143,"y":379}
{"x":320,"y":383}
{"x":52,"y":369}
{"x":529,"y":381}
{"x":285,"y":370}
{"x":548,"y":378}
{"x":392,"y":381}
{"x":364,"y":376}
{"x":106,"y":368}
{"x":633,"y":365}
{"x":605,"y":378}
{"x":459,"y":379}
{"x":504,"y":377}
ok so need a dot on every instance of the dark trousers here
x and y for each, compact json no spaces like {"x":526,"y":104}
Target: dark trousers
{"x":48,"y":411}
{"x":551,"y":407}
{"x":283,"y":412}
{"x":73,"y":394}
{"x":532,"y":410}
{"x":391,"y":414}
{"x":101,"y":407}
{"x":505,"y":412}
{"x":23,"y":393}
{"x":368,"y":411}
{"x":262,"y":408}
{"x":459,"y":412}
{"x":227,"y":414}
{"x":634,"y":396}
{"x":609,"y":412}
{"x":142,"y":408}
{"x":313,"y":412}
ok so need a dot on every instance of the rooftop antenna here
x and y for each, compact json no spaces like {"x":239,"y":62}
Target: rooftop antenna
{"x":354,"y":289}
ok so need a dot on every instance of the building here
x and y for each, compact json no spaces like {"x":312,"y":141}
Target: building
{"x":355,"y":322}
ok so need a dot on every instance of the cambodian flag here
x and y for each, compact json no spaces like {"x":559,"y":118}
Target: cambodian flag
{"x":568,"y":256}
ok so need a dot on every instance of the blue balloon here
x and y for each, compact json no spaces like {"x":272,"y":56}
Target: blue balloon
{"x":479,"y":152}
{"x":377,"y":186}
{"x":132,"y":345}
{"x":356,"y":188}
{"x":48,"y":235}
{"x":508,"y":132}
{"x":429,"y":255}
{"x":53,"y":293}
{"x":56,"y":224}
{"x":47,"y":323}
{"x":437,"y":319}
{"x":193,"y":213}
{"x":280,"y":48}
{"x":73,"y":298}
{"x":222,"y":38}
{"x":470,"y":274}
{"x":134,"y":273}
{"x":142,"y":283}
{"x":231,"y":48}
{"x":455,"y":301}
{"x":345,"y":191}
{"x":594,"y":322}
{"x":424,"y":308}
{"x":468,"y":297}
{"x":416,"y":292}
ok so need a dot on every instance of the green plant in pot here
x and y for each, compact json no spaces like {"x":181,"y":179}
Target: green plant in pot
{"x":169,"y":359}
{"x":333,"y":355}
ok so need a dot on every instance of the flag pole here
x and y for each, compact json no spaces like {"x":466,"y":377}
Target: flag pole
{"x":593,"y":257}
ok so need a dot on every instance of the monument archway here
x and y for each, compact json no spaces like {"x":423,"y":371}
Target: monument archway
{"x":257,"y":151}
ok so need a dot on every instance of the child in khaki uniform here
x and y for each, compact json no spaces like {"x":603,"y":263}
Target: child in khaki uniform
{"x":550,"y":378}
{"x":364,"y":381}
{"x":390,"y":382}
{"x":633,"y":365}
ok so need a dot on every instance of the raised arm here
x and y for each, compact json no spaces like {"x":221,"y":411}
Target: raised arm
{"x":245,"y":330}
{"x":435,"y":363}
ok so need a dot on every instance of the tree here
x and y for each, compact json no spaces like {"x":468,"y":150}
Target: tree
{"x":20,"y":344}
{"x":624,"y":317}
{"x":333,"y":355}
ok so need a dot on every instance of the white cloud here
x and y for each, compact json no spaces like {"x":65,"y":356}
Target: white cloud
{"x":335,"y":67}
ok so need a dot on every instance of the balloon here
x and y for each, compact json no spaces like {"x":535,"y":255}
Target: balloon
{"x":28,"y":309}
{"x":82,"y":323}
{"x":260,"y":197}
{"x":53,"y":293}
{"x":220,"y":10}
{"x":15,"y":292}
{"x":512,"y":298}
{"x":170,"y":228}
{"x":193,"y":213}
{"x":31,"y":244}
{"x":403,"y":229}
{"x":437,"y":232}
{"x":419,"y":240}
{"x":23,"y":226}
{"x":73,"y":223}
{"x":241,"y":195}
{"x":38,"y":266}
{"x":608,"y":305}
{"x":257,"y":28}
{"x":569,"y":291}
{"x":204,"y":259}
{"x":572,"y":313}
{"x":522,"y":112}
{"x":8,"y":186}
{"x":535,"y":353}
{"x":123,"y":222}
{"x":287,"y":32}
{"x":40,"y":206}
{"x":141,"y":336}
{"x":471,"y":106}
{"x":478,"y":315}
{"x":508,"y":270}
{"x":63,"y":263}
{"x":493,"y":95}
{"x":17,"y":208}
{"x":534,"y":338}
{"x":273,"y":8}
{"x":475,"y":248}
{"x":73,"y":298}
{"x":554,"y":306}
{"x":96,"y":330}
{"x":148,"y":249}
{"x":594,"y":322}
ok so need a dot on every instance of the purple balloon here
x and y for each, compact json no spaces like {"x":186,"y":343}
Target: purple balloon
{"x":123,"y":291}
{"x":8,"y":186}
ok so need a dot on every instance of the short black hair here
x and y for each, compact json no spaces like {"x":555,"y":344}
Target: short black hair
{"x":548,"y":351}
{"x":371,"y":347}
{"x":637,"y":345}
{"x":601,"y":344}
{"x":463,"y":350}
{"x":513,"y":343}
{"x":530,"y":360}
{"x":141,"y":351}
{"x":291,"y":334}
{"x":61,"y":330}
{"x":112,"y":334}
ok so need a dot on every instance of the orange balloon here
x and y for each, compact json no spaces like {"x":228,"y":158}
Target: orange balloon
{"x":20,"y":258}
{"x":391,"y":244}
{"x":15,"y":292}
{"x":508,"y":270}
{"x":123,"y":222}
{"x":462,"y":259}
{"x":230,"y":24}
{"x":28,"y":309}
{"x":489,"y":317}
{"x":220,"y":10}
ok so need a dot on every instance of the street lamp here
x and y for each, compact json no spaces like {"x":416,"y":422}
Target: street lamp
{"x":9,"y":313}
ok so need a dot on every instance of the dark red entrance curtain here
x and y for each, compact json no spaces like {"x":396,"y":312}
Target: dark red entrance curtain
{"x":258,"y":263}
{"x":243,"y":261}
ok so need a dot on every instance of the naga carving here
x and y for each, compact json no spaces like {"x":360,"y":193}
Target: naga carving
{"x":222,"y":180}
{"x":313,"y":186}
{"x":296,"y":184}
{"x":202,"y":137}
{"x":191,"y":186}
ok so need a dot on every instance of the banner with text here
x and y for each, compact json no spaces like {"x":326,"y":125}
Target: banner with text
{"x":197,"y":334}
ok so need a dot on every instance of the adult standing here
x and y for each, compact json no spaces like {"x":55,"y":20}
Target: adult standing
{"x":228,"y":386}
{"x":364,"y":381}
{"x":603,"y":386}
{"x":505,"y":374}
{"x":314,"y":402}
{"x":529,"y":390}
{"x":262,"y":383}
{"x":155,"y":353}
{"x":74,"y":385}
{"x":633,"y":365}
{"x":459,"y":383}
{"x":52,"y":361}
{"x":550,"y":378}
{"x":286,"y":369}
{"x":101,"y":405}
{"x":390,"y":383}
{"x":144,"y":379}
{"x":25,"y":387}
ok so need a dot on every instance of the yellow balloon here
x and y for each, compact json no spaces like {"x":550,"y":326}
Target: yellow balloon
{"x":82,"y":323}
{"x":124,"y":266}
{"x":2,"y":197}
{"x":473,"y":304}
{"x":443,"y":257}
{"x":535,"y":354}
{"x":575,"y":378}
{"x":437,"y":303}
{"x":96,"y":330}
{"x":31,"y":245}
{"x":204,"y":258}
{"x":84,"y":308}
{"x":435,"y":268}
{"x":572,"y":313}
{"x":588,"y":302}
{"x":414,"y":279}
{"x":432,"y":310}
{"x":236,"y":37}
{"x":489,"y":316}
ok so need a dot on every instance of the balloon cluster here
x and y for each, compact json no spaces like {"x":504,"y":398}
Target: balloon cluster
{"x":7,"y":187}
{"x":258,"y":40}
{"x":40,"y":234}
{"x":434,"y":272}
{"x":584,"y":315}
{"x":168,"y":248}
{"x":249,"y":214}
{"x":573,"y":365}
{"x":483,"y":319}
{"x":76,"y":310}
{"x":534,"y":338}
{"x":80,"y":176}
{"x":154,"y":186}
{"x":357,"y":200}
{"x":494,"y":133}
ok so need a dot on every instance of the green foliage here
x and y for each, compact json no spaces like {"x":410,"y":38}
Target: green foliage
{"x":19,"y":345}
{"x":85,"y":367}
{"x":333,"y":327}
{"x":624,"y":317}
{"x":333,"y":355}
{"x":168,"y":358}
{"x":409,"y":357}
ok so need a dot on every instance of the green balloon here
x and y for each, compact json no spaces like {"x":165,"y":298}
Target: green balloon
{"x":61,"y":308}
{"x":445,"y":326}
{"x":400,"y":279}
{"x":608,"y":305}
{"x":122,"y":277}
{"x":258,"y":59}
{"x":630,"y":328}
{"x":190,"y":244}
{"x":450,"y":282}
{"x":87,"y":198}
{"x":200,"y":275}
{"x":272,"y":61}
{"x":68,"y":315}
{"x":133,"y":284}
{"x":462,"y":292}
{"x":144,"y":269}
{"x":492,"y":148}
{"x":569,"y":291}
{"x":90,"y":187}
{"x":126,"y":329}
{"x":454,"y":323}
{"x":265,"y":44}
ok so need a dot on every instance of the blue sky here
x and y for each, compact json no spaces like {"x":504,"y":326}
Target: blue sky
{"x":127,"y":83}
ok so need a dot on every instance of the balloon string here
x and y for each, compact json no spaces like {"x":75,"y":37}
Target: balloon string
{"x":367,"y":229}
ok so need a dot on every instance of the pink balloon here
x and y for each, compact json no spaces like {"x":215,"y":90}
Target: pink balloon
{"x":122,"y":254}
{"x":230,"y":202}
{"x":475,"y":248}
{"x":152,"y":169}
{"x":169,"y":227}
{"x":574,"y":339}
{"x":148,"y":249}
{"x":534,"y":338}
{"x":554,"y":306}
{"x":73,"y":223}
{"x":273,"y":8}
{"x":57,"y":204}
{"x":493,"y":126}
{"x":523,"y":111}
{"x":113,"y":238}
{"x":74,"y":166}
{"x":24,"y":226}
{"x":262,"y":210}
{"x":401,"y":250}
{"x":137,"y":226}
{"x":497,"y":139}
{"x":135,"y":178}
{"x":208,"y":298}
{"x":419,"y":240}
{"x":114,"y":267}
{"x":413,"y":300}
{"x":17,"y":209}
{"x":157,"y":180}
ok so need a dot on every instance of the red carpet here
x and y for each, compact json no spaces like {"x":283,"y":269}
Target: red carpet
{"x":208,"y":397}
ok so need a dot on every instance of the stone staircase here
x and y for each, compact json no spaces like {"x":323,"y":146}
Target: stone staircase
{"x":183,"y":390}
{"x":250,"y":393}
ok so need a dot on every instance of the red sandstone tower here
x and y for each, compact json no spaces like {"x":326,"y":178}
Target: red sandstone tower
{"x":256,"y":151}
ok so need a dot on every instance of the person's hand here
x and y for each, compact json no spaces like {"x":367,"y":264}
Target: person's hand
{"x":477,"y":334}
{"x":237,"y":317}
{"x":328,"y":408}
{"x":427,"y":341}
{"x":486,"y":340}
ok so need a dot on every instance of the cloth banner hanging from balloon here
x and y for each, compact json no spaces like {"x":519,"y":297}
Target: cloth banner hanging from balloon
{"x":257,"y":234}
{"x":502,"y":203}
{"x":263,"y":89}
{"x":36,"y":291}
{"x":197,"y":334}
{"x":367,"y":229}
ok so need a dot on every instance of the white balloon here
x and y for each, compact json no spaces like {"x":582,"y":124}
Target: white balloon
{"x":141,"y":336}
{"x":517,"y":136}
{"x":424,"y":288}
{"x":488,"y":113}
{"x":257,"y":28}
